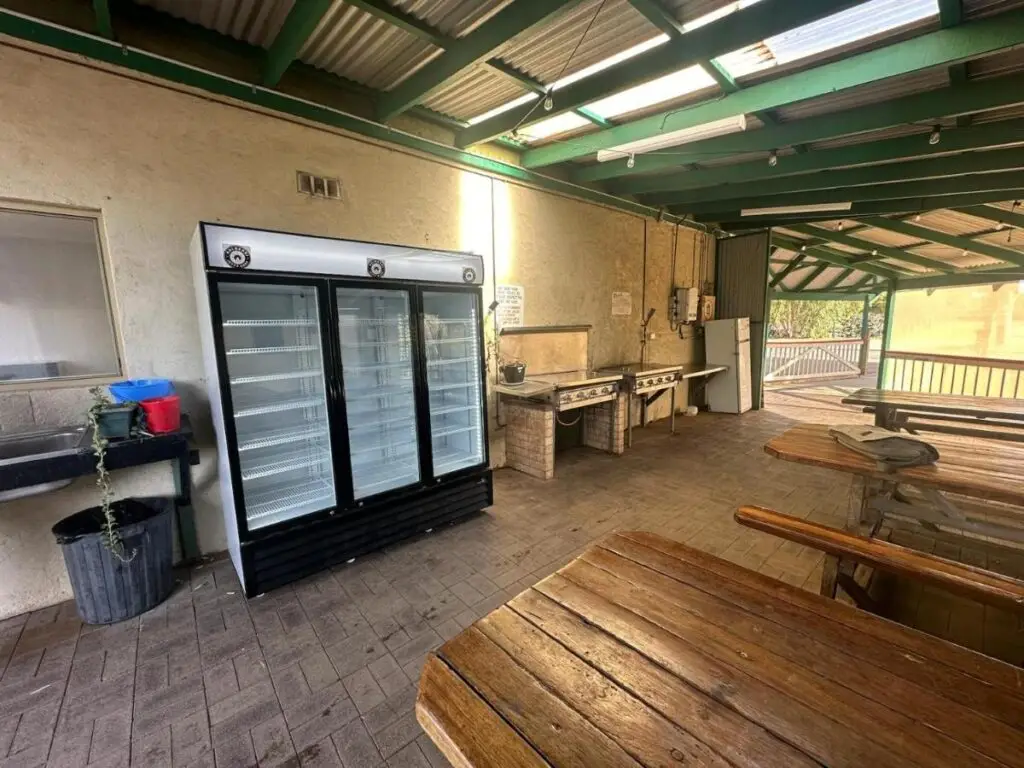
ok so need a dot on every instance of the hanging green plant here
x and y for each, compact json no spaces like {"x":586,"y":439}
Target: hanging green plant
{"x":109,"y":528}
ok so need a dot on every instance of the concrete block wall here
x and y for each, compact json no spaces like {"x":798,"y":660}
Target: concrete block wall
{"x":175,"y":158}
{"x":604,"y":425}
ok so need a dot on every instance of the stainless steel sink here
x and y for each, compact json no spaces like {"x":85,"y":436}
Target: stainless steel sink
{"x":17,"y":447}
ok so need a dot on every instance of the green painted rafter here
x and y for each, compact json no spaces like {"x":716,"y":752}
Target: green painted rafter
{"x":479,"y":45}
{"x":813,"y":275}
{"x":791,"y":266}
{"x":998,"y":215}
{"x":129,"y":58}
{"x":835,"y":258}
{"x":958,"y":166}
{"x":415,"y":26}
{"x":302,"y":19}
{"x":821,"y":295}
{"x":951,"y":12}
{"x":943,"y":47}
{"x":884,"y":251}
{"x":795,"y":166}
{"x":953,"y":241}
{"x":739,"y":29}
{"x":933,"y":188}
{"x":101,"y":10}
{"x":952,"y":281}
{"x":995,"y":93}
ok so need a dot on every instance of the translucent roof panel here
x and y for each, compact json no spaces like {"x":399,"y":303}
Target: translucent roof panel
{"x":611,"y":61}
{"x":526,"y":98}
{"x":717,"y":14}
{"x":869,"y":19}
{"x":653,"y":92}
{"x":567,"y":121}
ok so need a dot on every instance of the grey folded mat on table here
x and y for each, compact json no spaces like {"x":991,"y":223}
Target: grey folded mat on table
{"x":890,"y":450}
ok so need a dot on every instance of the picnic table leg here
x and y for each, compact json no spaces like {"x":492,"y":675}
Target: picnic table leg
{"x":857,"y":513}
{"x":885,"y":417}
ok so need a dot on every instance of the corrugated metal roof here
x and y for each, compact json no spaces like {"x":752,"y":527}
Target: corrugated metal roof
{"x":953,"y":223}
{"x":885,"y":237}
{"x":686,"y":11}
{"x":1011,"y":239}
{"x":452,"y":17}
{"x":954,"y":257}
{"x":476,"y":91}
{"x":543,"y":51}
{"x":256,"y":22}
{"x":975,"y":9}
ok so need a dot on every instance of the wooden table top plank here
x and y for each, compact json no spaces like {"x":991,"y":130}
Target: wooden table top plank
{"x":903,"y":735}
{"x":643,"y":732}
{"x":928,"y":673}
{"x":989,"y":671}
{"x":446,"y":706}
{"x":646,"y":652}
{"x":739,"y":740}
{"x":968,"y":405}
{"x":806,"y":728}
{"x":963,"y":468}
{"x":961,"y":724}
{"x":551,"y":726}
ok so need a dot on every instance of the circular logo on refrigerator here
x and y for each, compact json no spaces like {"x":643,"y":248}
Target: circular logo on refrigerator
{"x":375,"y":268}
{"x":468,"y":275}
{"x":237,"y":256}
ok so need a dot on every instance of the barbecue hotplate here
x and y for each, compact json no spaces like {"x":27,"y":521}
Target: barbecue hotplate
{"x":572,"y":379}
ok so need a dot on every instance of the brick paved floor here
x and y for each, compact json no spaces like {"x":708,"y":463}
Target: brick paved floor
{"x":323,"y":673}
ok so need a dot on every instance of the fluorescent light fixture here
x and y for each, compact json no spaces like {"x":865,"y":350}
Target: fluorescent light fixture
{"x":675,"y":138}
{"x":813,"y":208}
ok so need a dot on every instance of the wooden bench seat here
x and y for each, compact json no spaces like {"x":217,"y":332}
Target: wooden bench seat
{"x":966,"y":580}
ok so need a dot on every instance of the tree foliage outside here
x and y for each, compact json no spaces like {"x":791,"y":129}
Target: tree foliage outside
{"x":801,"y":319}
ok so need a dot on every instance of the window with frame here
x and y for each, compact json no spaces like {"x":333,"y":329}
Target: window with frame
{"x":56,"y":322}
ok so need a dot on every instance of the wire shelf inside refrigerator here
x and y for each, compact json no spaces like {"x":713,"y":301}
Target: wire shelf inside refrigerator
{"x":311,"y":455}
{"x":286,"y":501}
{"x":274,"y":437}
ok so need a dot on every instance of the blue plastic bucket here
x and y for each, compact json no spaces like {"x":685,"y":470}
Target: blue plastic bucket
{"x":136,"y":390}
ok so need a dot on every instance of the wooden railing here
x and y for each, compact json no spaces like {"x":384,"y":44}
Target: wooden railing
{"x":809,"y":359}
{"x":952,"y":374}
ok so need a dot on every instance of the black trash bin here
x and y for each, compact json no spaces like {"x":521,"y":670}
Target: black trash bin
{"x":106,"y":589}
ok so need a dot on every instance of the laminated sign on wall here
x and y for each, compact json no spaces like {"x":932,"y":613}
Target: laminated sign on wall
{"x":622,"y":303}
{"x":510,"y":305}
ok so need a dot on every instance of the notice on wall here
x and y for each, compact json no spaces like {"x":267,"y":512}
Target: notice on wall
{"x":511,"y":299}
{"x":622,"y":303}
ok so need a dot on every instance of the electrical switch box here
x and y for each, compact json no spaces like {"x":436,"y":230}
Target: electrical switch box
{"x":684,"y":305}
{"x":707,"y":308}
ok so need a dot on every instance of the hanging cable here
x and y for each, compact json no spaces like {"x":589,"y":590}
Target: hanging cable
{"x":548,"y":97}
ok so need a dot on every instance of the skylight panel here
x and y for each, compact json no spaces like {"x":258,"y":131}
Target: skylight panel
{"x":611,"y":61}
{"x":567,"y":121}
{"x":526,"y":98}
{"x":653,"y":92}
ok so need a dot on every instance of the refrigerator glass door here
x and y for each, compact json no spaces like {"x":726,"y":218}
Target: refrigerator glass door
{"x":275,"y":372}
{"x":454,"y":379}
{"x":375,"y":331}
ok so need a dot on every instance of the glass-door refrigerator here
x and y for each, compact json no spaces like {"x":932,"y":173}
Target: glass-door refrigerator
{"x":346,"y":384}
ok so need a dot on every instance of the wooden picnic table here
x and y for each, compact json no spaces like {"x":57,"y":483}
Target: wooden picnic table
{"x":643,"y":651}
{"x":998,"y":418}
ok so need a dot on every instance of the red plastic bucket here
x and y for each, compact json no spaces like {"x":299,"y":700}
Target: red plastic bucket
{"x":163,"y":414}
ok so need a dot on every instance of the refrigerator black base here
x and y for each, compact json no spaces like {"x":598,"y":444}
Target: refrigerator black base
{"x":277,"y":560}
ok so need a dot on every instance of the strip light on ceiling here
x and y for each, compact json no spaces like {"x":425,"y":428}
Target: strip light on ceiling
{"x":675,"y":138}
{"x":814,"y":208}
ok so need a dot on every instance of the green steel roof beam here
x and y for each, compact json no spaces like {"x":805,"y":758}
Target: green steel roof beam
{"x":997,"y":215}
{"x":951,"y":12}
{"x":792,"y":266}
{"x":101,"y":10}
{"x":813,"y":275}
{"x":977,"y":96}
{"x":943,"y":47}
{"x":933,"y":188}
{"x":953,"y":241}
{"x":737,"y":30}
{"x":820,"y":295}
{"x":302,"y":19}
{"x":794,"y":166}
{"x":959,"y":166}
{"x":952,"y":281}
{"x":835,"y":258}
{"x":479,"y":45}
{"x":884,"y":251}
{"x":537,"y":87}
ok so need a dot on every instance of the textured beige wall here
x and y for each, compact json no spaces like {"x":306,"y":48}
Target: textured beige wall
{"x":156,"y":161}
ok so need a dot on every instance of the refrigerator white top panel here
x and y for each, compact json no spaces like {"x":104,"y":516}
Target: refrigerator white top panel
{"x":240,"y":249}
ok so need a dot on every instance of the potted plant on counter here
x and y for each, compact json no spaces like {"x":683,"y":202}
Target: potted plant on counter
{"x":118,"y":554}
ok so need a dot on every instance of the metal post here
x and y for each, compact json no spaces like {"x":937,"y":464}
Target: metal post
{"x":629,"y":419}
{"x":890,"y":304}
{"x":672,"y":416}
{"x":865,"y":336}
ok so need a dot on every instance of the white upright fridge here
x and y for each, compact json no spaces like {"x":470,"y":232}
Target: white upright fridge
{"x":346,"y":385}
{"x":727,"y":342}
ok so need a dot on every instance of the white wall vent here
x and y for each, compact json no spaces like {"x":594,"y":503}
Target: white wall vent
{"x":317,"y":186}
